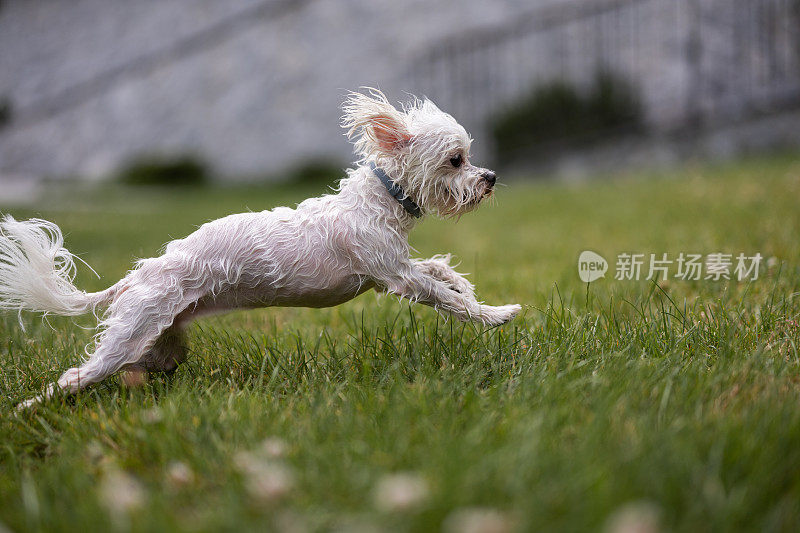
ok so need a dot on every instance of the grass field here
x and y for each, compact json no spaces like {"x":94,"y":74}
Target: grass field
{"x":618,"y":404}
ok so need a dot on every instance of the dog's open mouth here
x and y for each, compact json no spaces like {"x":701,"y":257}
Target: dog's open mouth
{"x":487,"y":192}
{"x":476,"y":197}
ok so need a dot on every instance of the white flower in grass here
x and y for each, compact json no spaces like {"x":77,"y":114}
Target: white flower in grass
{"x":266,"y":481}
{"x":120,"y":492}
{"x":478,"y":520}
{"x":635,"y":517}
{"x":274,"y":447}
{"x":400,"y":492}
{"x":179,"y":474}
{"x":94,"y":452}
{"x":152,"y":416}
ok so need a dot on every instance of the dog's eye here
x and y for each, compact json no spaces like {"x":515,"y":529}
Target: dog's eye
{"x":456,"y":161}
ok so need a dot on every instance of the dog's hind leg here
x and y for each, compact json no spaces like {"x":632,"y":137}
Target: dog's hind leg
{"x":120,"y":345}
{"x":167,"y":353}
{"x":137,"y":319}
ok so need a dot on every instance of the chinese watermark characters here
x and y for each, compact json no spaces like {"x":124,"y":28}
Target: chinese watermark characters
{"x":715,"y":266}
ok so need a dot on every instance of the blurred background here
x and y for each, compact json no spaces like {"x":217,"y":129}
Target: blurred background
{"x":245,"y":90}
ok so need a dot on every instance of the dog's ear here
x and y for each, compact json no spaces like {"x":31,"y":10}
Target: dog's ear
{"x":373,"y":123}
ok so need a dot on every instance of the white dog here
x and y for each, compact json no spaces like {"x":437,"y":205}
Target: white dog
{"x":328,"y":250}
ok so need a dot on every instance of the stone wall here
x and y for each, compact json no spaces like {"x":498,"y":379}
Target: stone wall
{"x":254,"y":86}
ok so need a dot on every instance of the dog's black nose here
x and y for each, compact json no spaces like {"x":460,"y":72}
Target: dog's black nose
{"x":489,"y":176}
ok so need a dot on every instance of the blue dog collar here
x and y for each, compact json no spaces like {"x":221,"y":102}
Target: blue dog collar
{"x":396,"y":191}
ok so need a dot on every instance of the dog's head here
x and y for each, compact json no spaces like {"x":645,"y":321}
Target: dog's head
{"x":423,"y":149}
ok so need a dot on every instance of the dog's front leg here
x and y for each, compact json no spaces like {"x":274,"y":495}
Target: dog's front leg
{"x":439,"y":268}
{"x":413,"y":283}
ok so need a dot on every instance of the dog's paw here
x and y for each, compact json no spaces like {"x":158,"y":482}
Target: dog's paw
{"x":134,"y":377}
{"x":21,"y":407}
{"x":36,"y":400}
{"x":494,"y":316}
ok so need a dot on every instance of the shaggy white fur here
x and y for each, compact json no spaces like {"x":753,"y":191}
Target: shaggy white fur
{"x":322,"y":253}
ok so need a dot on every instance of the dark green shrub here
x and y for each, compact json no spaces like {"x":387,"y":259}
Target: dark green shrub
{"x":614,"y":104}
{"x":315,"y":171}
{"x":556,"y":116}
{"x":5,"y":112}
{"x":183,"y":170}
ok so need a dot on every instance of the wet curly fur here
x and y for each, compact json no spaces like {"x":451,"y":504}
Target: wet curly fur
{"x":322,"y":253}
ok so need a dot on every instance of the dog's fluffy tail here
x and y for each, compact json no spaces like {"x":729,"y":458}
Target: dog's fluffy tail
{"x":36,"y":271}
